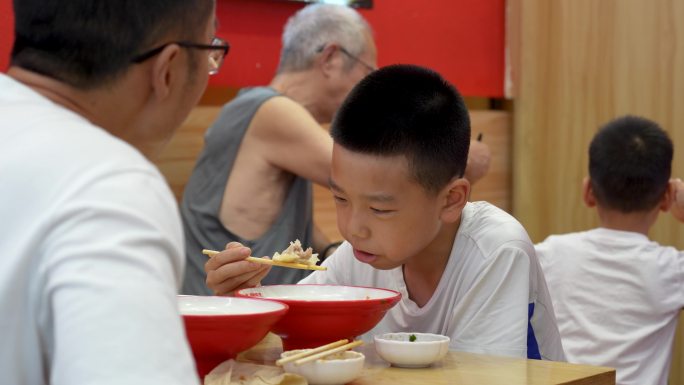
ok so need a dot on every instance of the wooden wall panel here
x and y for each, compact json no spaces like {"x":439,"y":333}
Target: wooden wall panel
{"x":580,"y":64}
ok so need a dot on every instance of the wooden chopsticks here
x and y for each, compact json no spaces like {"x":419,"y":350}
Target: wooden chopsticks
{"x":319,"y":352}
{"x":266,"y":261}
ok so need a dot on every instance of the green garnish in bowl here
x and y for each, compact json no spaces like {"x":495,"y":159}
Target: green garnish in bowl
{"x":412,"y":337}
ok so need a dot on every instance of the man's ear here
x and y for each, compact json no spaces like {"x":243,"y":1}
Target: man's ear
{"x":164,"y":70}
{"x":456,"y":195}
{"x":588,"y":193}
{"x":326,"y":59}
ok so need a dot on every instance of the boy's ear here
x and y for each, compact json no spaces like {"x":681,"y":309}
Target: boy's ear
{"x":457,"y":193}
{"x":588,"y":193}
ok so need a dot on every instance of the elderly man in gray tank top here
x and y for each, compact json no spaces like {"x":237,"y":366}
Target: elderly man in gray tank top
{"x":252,"y":181}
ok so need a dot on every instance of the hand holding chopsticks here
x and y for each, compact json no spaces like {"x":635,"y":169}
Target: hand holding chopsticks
{"x":266,"y":261}
{"x":319,"y":352}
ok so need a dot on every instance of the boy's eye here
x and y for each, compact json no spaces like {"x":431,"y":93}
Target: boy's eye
{"x":339,"y":199}
{"x":381,"y":211}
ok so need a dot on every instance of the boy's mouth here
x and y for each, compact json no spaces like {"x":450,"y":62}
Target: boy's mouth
{"x":364,"y":257}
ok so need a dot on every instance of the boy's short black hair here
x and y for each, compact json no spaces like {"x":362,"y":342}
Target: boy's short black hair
{"x":87,"y":43}
{"x":630,"y":163}
{"x":411,"y":111}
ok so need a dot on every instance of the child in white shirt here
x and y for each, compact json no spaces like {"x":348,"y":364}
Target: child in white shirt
{"x":467,"y":270}
{"x":617,"y":294}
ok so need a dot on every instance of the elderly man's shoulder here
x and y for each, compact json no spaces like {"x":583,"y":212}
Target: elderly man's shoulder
{"x":282,"y":114}
{"x":283,"y":108}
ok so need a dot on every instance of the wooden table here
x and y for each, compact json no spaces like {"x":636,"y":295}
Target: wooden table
{"x":456,"y":368}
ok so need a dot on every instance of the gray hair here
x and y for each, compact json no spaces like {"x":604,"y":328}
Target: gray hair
{"x":316,"y":25}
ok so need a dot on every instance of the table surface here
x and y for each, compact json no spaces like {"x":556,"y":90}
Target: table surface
{"x":456,"y":368}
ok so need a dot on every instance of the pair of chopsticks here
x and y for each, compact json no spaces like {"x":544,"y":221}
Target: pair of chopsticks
{"x":319,"y":352}
{"x":266,"y":261}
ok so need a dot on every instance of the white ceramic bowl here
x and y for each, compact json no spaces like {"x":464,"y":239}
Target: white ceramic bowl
{"x":399,"y":350}
{"x":336,"y":369}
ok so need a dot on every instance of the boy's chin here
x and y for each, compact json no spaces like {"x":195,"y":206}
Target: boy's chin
{"x":384,"y":264}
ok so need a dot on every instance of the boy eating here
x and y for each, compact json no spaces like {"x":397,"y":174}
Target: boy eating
{"x":465,"y":270}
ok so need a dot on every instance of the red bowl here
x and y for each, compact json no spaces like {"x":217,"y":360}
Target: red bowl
{"x":320,"y":314}
{"x":218,"y":328}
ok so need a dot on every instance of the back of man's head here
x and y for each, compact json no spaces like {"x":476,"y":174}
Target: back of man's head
{"x":630,"y":163}
{"x":313,"y":27}
{"x":86,"y":43}
{"x":408,"y":111}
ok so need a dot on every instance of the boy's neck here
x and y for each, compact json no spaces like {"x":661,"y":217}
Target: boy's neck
{"x":423,"y":271}
{"x":637,"y":222}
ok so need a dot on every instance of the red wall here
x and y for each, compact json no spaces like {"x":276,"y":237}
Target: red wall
{"x":6,"y":32}
{"x":462,"y":39}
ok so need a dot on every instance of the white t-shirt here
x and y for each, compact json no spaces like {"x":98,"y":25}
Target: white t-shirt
{"x":91,"y":254}
{"x":482,"y":299}
{"x":617,"y":296}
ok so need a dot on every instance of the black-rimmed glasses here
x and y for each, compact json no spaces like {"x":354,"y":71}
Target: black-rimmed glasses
{"x":369,"y":67}
{"x":218,"y":49}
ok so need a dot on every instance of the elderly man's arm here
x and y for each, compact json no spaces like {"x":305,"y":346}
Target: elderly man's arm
{"x":290,"y":139}
{"x":479,"y":157}
{"x":677,"y":199}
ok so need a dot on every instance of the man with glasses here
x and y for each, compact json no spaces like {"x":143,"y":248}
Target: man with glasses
{"x":91,"y":237}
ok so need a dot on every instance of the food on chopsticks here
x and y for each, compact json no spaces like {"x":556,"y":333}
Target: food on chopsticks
{"x":294,"y":257}
{"x":296,"y":254}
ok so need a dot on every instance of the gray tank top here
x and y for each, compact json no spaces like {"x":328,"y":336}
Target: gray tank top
{"x":204,"y":193}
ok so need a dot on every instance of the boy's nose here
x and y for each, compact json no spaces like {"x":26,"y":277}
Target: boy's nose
{"x":357,"y":228}
{"x":361,"y":233}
